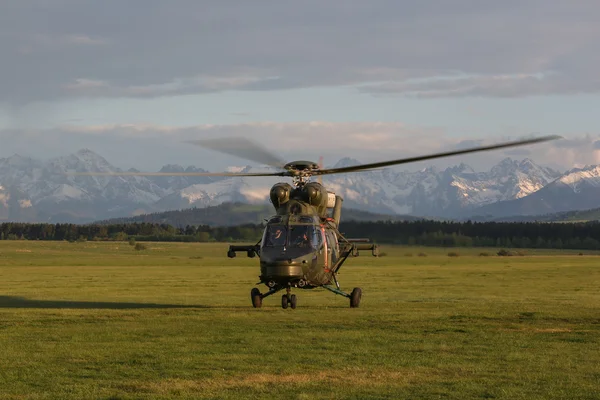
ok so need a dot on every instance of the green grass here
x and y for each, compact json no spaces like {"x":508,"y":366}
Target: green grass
{"x":102,"y":320}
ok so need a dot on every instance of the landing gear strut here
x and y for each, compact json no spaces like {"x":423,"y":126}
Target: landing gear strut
{"x":256,"y":296}
{"x":354,"y":297}
{"x":287,"y":300}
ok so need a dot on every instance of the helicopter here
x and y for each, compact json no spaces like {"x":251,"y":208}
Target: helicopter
{"x":302,"y":246}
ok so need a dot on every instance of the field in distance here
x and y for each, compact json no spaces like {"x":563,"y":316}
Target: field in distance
{"x":103,"y":320}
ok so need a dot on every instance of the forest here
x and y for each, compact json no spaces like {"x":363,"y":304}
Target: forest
{"x":583,"y":235}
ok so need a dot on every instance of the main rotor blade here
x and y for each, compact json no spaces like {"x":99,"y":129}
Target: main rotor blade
{"x":437,"y":155}
{"x":241,"y":147}
{"x":233,"y":174}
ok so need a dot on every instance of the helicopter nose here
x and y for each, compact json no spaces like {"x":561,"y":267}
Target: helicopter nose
{"x":281,"y":269}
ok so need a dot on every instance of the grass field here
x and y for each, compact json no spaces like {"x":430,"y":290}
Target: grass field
{"x":104,"y":321}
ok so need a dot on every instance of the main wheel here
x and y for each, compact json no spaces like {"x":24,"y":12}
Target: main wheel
{"x":355,"y":297}
{"x":256,"y":299}
{"x":293,"y":301}
{"x":284,"y":301}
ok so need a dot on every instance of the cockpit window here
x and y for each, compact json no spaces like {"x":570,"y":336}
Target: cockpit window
{"x":275,"y":235}
{"x":304,"y":236}
{"x":297,"y":236}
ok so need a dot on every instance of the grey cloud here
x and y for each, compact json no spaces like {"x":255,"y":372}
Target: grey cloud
{"x":519,"y":85}
{"x":596,"y":145}
{"x":574,"y":142}
{"x":517,"y":152}
{"x":465,"y":144}
{"x":156,"y":48}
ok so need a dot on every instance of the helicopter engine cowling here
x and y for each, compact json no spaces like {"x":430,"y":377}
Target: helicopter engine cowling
{"x":314,"y":194}
{"x":280,"y":194}
{"x":287,"y":199}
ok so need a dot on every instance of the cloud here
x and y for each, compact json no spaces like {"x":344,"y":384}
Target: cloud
{"x":518,"y":85}
{"x":428,"y":48}
{"x":293,"y":136}
{"x":465,"y":144}
{"x":577,"y":142}
{"x":198,"y":84}
{"x":518,"y":152}
{"x":147,"y":146}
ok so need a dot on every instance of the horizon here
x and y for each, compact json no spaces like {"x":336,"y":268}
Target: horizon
{"x":255,"y":166}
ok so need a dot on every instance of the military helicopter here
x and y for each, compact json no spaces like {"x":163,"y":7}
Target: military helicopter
{"x":302,"y":246}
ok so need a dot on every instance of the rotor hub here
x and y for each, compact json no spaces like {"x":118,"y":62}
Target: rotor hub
{"x":301,"y":166}
{"x":301,"y":171}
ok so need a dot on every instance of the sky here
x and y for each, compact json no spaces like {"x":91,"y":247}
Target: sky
{"x":133,"y":80}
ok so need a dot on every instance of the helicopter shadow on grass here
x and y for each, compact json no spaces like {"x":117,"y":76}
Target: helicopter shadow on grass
{"x":21,"y":302}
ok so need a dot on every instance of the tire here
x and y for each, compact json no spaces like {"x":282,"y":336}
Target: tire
{"x":355,"y":297}
{"x":255,"y":297}
{"x":284,"y":301}
{"x":293,"y":302}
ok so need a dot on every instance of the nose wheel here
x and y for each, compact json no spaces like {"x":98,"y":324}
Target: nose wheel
{"x":288,"y":300}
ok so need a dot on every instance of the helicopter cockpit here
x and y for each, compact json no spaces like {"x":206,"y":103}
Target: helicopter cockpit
{"x":299,"y":235}
{"x":295,"y":236}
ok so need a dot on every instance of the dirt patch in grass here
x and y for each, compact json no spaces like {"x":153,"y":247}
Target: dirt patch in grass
{"x":540,"y":330}
{"x":344,"y":378}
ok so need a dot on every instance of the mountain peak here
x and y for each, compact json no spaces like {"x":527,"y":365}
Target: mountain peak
{"x":505,"y":167}
{"x":461,"y":168}
{"x":89,"y":155}
{"x":590,"y":174}
{"x":508,"y":161}
{"x":172,"y":168}
{"x":527,"y":164}
{"x":347,"y":162}
{"x":527,"y":161}
{"x":17,"y":160}
{"x":85,"y":151}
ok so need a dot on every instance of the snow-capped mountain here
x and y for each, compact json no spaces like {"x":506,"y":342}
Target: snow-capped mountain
{"x":577,"y":189}
{"x":32,"y":190}
{"x":430,"y":192}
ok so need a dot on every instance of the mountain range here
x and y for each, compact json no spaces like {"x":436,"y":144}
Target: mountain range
{"x":40,"y":191}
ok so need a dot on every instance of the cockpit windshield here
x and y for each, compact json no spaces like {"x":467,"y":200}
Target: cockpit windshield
{"x":298,"y":236}
{"x":275,"y":236}
{"x":303,"y":236}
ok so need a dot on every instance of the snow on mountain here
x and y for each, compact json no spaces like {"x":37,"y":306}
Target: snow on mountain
{"x":587,"y":175}
{"x":577,"y":189}
{"x":175,"y":183}
{"x":446,"y":193}
{"x":42,"y":191}
{"x":243,"y":189}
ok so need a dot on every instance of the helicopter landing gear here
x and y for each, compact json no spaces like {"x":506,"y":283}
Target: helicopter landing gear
{"x":354,"y":297}
{"x":256,"y":296}
{"x":289,"y":300}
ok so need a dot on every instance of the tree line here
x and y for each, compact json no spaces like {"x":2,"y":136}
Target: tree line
{"x":424,"y":233}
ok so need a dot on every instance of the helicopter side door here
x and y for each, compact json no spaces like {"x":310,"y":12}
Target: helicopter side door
{"x":332,"y":247}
